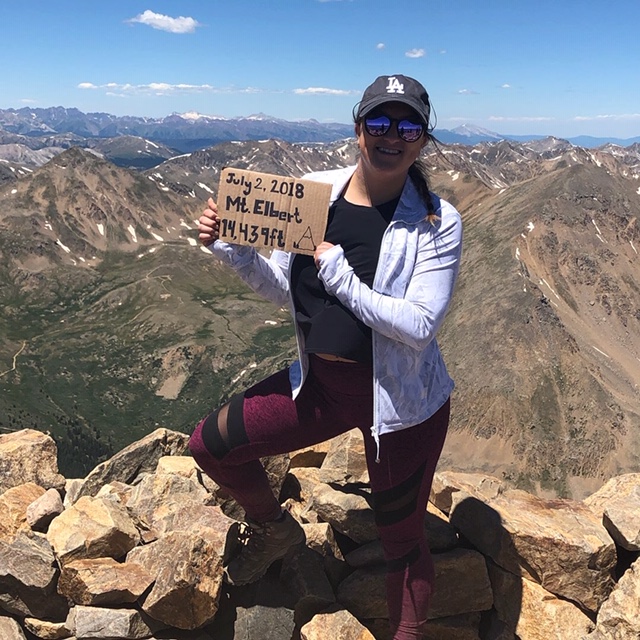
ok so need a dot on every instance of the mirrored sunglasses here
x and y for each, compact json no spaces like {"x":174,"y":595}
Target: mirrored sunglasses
{"x":407,"y":130}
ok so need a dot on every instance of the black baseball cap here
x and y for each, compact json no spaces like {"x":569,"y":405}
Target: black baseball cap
{"x":396,"y":88}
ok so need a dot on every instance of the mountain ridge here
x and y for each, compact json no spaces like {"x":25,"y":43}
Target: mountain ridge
{"x":190,"y":130}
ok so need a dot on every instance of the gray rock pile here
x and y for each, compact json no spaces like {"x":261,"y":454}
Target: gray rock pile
{"x":135,"y":551}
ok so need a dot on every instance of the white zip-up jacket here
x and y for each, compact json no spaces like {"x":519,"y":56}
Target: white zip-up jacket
{"x":412,"y":288}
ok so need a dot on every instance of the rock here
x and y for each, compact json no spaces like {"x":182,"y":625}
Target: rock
{"x":532,"y":612}
{"x":347,"y":510}
{"x":618,"y":503}
{"x":46,"y":630}
{"x":446,"y":483}
{"x":265,"y":623}
{"x":93,"y":528}
{"x":321,"y":539}
{"x":310,"y":456}
{"x":137,"y":459}
{"x":462,"y":584}
{"x":14,"y":503}
{"x":545,"y":617}
{"x":346,"y":455}
{"x":29,"y":456}
{"x":363,"y":593}
{"x":10,"y":629}
{"x":560,"y":544}
{"x":157,"y":495}
{"x":184,"y":466}
{"x":622,"y":520}
{"x":303,"y":573}
{"x":297,"y":491}
{"x":116,"y":489}
{"x":103,"y":582}
{"x":463,"y":627}
{"x":72,"y":490}
{"x":44,"y":509}
{"x":619,"y":616}
{"x":440,"y":534}
{"x":28,"y":577}
{"x":141,"y":558}
{"x":106,"y":624}
{"x":620,"y":486}
{"x":369,"y":554}
{"x":188,"y":577}
{"x":337,"y":625}
{"x":305,"y":480}
{"x":207,"y":521}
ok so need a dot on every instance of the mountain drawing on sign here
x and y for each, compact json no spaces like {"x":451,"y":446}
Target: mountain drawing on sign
{"x":306,"y":242}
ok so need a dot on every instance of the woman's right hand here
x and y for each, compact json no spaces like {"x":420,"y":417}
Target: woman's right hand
{"x":209,"y":224}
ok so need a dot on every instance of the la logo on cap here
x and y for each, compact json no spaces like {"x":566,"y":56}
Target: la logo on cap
{"x":395,"y":86}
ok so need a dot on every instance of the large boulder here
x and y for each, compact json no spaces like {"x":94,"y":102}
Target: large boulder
{"x":618,"y":504}
{"x":187,"y":570}
{"x":93,"y":528}
{"x":29,"y":456}
{"x":560,"y":544}
{"x":139,"y":458}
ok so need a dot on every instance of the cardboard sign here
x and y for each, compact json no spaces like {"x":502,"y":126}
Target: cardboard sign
{"x":269,"y":211}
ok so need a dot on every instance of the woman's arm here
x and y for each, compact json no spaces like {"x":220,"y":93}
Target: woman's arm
{"x":266,"y":276}
{"x":415,"y":318}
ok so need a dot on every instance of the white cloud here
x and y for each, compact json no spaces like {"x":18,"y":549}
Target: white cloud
{"x":166,"y":89}
{"x":442,"y":51}
{"x":380,"y":46}
{"x":506,"y":86}
{"x":159,"y":88}
{"x":612,"y":116}
{"x":520,"y":118}
{"x":415,"y":53}
{"x":28,"y":101}
{"x":467,"y":92}
{"x":318,"y":91}
{"x":166,"y":23}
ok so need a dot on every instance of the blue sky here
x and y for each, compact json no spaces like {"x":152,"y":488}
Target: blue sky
{"x":561,"y":67}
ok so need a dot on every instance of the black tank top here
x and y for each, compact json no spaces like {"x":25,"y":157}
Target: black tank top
{"x":328,"y":326}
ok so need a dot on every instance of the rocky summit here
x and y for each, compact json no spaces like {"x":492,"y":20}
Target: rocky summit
{"x":135,"y":550}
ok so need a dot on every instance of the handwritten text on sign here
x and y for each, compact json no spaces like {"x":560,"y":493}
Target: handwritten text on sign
{"x":265,"y":210}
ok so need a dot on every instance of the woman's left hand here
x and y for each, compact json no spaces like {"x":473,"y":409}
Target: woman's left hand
{"x":320,"y":249}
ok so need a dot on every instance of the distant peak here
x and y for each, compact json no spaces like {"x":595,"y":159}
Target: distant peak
{"x":473,"y":130}
{"x":194,"y":115}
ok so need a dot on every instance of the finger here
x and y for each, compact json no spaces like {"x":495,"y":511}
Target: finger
{"x":212,"y":205}
{"x":208,"y":221}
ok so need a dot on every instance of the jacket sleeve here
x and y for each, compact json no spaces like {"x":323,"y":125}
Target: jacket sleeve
{"x":266,"y":276}
{"x":415,"y":318}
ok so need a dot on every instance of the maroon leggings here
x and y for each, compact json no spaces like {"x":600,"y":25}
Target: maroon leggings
{"x":335,"y":398}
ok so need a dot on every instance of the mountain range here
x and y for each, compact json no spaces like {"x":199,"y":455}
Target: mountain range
{"x":40,"y":128}
{"x":113,"y":320}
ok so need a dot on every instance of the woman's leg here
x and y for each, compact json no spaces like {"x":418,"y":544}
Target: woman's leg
{"x":401,"y":483}
{"x":265,"y":421}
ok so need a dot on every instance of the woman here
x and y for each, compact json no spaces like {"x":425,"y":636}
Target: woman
{"x":366,"y":307}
